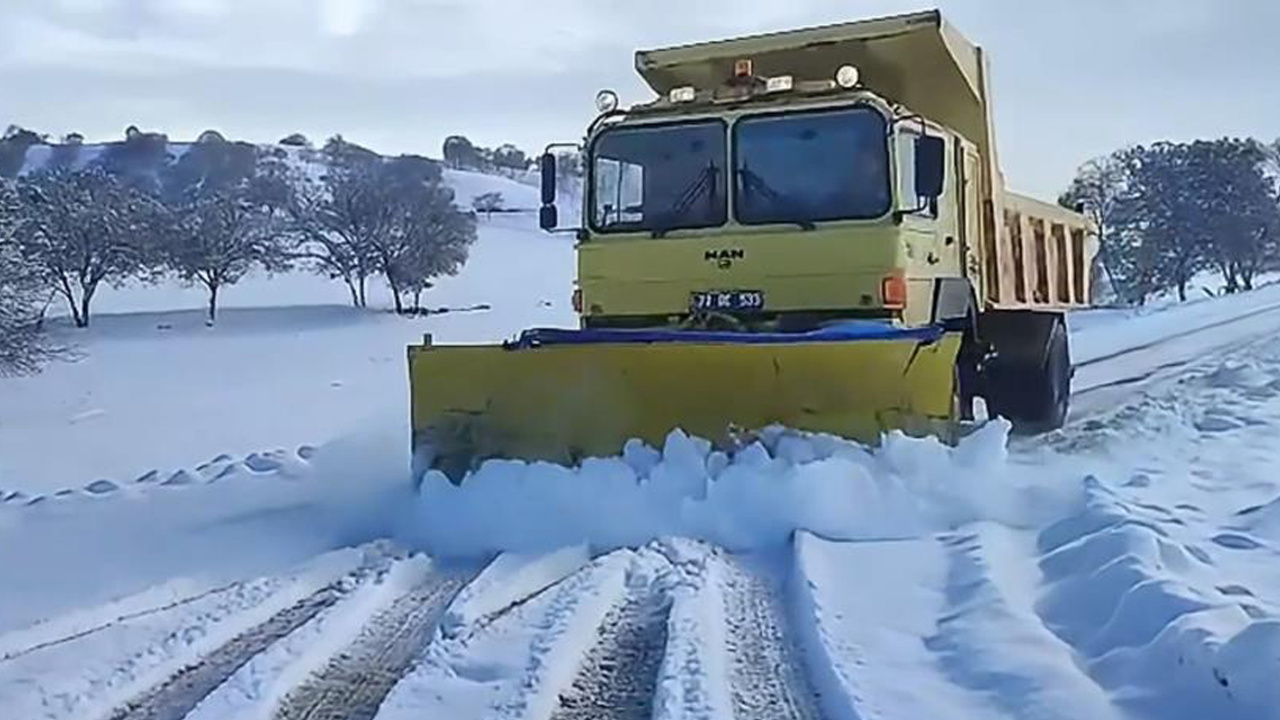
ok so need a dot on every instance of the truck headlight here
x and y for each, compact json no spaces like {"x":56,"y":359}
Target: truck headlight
{"x":684,"y":94}
{"x":848,"y":76}
{"x":606,"y":101}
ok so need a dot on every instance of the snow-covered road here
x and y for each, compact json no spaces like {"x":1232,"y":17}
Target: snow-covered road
{"x":1105,"y":375}
{"x":1125,"y":567}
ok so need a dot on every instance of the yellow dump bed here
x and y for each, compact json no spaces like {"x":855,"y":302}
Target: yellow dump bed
{"x":917,"y":60}
{"x":1038,"y":256}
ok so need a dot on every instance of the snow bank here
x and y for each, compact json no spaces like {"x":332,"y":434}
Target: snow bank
{"x":1150,"y":616}
{"x":895,"y":603}
{"x":228,"y":522}
{"x":755,"y":497}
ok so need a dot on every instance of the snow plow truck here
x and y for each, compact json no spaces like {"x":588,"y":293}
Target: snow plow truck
{"x":805,"y":228}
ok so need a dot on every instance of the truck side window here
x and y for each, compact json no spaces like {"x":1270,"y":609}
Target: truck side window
{"x":619,"y":192}
{"x":657,"y":178}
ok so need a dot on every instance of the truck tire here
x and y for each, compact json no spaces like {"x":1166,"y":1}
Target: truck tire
{"x":968,"y":375}
{"x":1032,"y":389}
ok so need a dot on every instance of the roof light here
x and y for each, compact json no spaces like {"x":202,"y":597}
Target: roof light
{"x":606,"y":101}
{"x":847,"y":76}
{"x":780,"y":83}
{"x":743,"y":68}
{"x":684,"y":94}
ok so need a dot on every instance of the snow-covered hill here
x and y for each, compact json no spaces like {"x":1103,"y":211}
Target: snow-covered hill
{"x":467,"y":185}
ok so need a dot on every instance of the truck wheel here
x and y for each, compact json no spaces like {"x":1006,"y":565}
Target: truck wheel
{"x":1034,"y":390}
{"x":968,"y":377}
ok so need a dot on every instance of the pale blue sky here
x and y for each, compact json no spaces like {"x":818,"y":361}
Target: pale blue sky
{"x":1072,"y":79}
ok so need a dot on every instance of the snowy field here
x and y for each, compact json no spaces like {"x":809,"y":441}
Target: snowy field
{"x":211,"y":523}
{"x":289,"y":362}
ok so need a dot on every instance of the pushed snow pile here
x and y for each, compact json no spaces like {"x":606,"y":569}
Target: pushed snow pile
{"x":754,"y":497}
{"x":1142,"y":605}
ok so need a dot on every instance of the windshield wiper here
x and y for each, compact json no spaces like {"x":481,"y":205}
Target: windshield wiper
{"x":704,"y":182}
{"x":752,"y":181}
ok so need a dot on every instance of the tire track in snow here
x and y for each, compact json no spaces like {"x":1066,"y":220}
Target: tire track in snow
{"x":118,"y":621}
{"x":620,"y":672}
{"x":353,"y":684}
{"x":181,"y":693}
{"x":991,"y":640}
{"x":1207,"y":327}
{"x":583,"y":624}
{"x":1102,"y":382}
{"x":768,"y":677}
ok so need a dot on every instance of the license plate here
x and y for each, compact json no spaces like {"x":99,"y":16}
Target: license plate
{"x":727,"y":301}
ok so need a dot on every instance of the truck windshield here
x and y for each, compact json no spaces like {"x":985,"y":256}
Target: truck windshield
{"x":813,"y":166}
{"x":659,"y":178}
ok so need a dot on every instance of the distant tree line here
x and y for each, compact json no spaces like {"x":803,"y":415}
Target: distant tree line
{"x":1167,"y":212}
{"x":209,"y":213}
{"x":461,"y":154}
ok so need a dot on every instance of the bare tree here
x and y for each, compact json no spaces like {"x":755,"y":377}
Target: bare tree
{"x":370,"y":215}
{"x":14,"y":144}
{"x":24,"y":346}
{"x":334,"y":219}
{"x":138,"y":161}
{"x":431,"y":238}
{"x":1238,"y":208}
{"x":220,"y":238}
{"x":82,"y":228}
{"x":227,"y":203}
{"x":488,"y":203}
{"x":66,"y":155}
{"x":1170,"y":210}
{"x":1098,"y":190}
{"x":421,"y":233}
{"x":459,"y":153}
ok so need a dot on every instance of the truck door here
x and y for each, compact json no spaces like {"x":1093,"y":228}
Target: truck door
{"x":971,"y":220}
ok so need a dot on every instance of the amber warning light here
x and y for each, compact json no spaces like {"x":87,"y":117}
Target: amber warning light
{"x":743,"y":68}
{"x":893,"y":290}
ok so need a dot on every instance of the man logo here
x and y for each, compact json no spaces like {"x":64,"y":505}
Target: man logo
{"x":724,"y":258}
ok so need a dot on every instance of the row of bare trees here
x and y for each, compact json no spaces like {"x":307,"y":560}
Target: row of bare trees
{"x":395,"y":219}
{"x":209,"y":216}
{"x":1167,"y":212}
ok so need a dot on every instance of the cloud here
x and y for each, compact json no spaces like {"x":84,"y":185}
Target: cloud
{"x":1071,"y":79}
{"x":345,"y":17}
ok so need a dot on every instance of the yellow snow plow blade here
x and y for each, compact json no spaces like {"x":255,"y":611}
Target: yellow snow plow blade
{"x":564,"y":402}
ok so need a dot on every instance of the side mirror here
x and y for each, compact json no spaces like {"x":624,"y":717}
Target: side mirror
{"x":548,"y":218}
{"x":548,"y":166}
{"x":931,"y":166}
